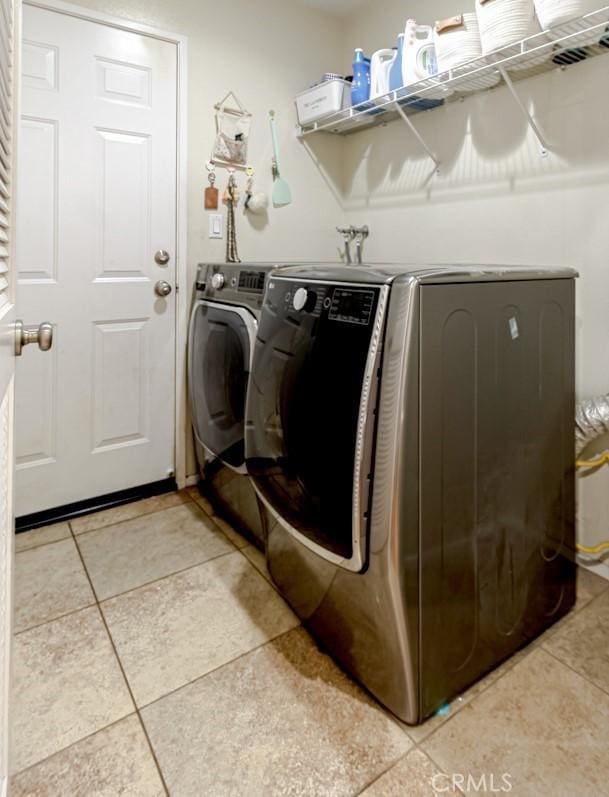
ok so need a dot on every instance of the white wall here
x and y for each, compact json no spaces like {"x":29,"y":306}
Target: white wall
{"x":495,"y":199}
{"x":266,"y":52}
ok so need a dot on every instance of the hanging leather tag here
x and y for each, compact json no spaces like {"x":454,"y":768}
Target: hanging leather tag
{"x":211,"y":198}
{"x":443,"y":25}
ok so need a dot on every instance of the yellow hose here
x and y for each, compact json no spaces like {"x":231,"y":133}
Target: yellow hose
{"x":602,"y":546}
{"x":593,"y":463}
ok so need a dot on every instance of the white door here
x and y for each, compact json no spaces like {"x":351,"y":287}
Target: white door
{"x":9,"y":15}
{"x":96,"y":201}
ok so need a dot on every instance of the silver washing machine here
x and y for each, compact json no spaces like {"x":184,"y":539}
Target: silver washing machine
{"x":222,"y":333}
{"x":411,"y":431}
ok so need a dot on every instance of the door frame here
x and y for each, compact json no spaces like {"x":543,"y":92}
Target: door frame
{"x":181,"y":253}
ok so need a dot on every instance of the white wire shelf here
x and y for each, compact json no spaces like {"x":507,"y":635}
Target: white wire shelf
{"x":559,"y":47}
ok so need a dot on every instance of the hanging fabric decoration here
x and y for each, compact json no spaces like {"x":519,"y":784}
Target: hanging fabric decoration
{"x":232,"y":133}
{"x":255,"y":203}
{"x":231,"y":196}
{"x":211,"y":192}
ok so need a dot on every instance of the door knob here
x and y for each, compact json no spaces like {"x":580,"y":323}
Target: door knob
{"x":42,"y":335}
{"x":161,"y":257}
{"x":162,"y":288}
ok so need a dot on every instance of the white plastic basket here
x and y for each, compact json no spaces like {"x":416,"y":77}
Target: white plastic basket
{"x":457,"y":41}
{"x":503,"y":22}
{"x":558,"y":12}
{"x":323,"y":100}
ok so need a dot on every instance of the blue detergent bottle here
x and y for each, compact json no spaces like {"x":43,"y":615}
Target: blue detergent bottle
{"x":360,"y":88}
{"x":396,"y":80}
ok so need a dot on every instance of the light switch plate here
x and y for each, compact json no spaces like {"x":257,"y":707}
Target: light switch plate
{"x":215,"y":225}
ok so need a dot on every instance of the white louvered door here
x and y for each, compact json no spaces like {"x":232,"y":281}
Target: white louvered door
{"x":9,"y":17}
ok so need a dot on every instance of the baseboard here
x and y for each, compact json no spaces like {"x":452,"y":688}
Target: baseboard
{"x":69,"y":511}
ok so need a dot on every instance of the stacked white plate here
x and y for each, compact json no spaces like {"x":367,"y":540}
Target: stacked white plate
{"x":458,"y":41}
{"x":504,"y":22}
{"x":558,"y":12}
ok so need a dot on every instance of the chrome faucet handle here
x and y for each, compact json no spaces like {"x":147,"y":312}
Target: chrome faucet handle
{"x":347,"y":233}
{"x":360,"y":234}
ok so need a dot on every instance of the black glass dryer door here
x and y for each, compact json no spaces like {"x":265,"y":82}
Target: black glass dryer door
{"x":220,"y":344}
{"x":303,"y":410}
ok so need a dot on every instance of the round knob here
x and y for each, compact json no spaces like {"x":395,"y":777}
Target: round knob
{"x":161,"y":257}
{"x":42,"y":335}
{"x":217,"y":281}
{"x":162,"y":288}
{"x":45,"y":336}
{"x":300,"y":298}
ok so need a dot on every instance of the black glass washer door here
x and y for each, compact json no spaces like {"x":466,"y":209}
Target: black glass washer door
{"x":219,"y":352}
{"x":303,"y":410}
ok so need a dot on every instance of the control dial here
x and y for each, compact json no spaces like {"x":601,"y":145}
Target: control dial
{"x":300,"y":298}
{"x":217,"y":281}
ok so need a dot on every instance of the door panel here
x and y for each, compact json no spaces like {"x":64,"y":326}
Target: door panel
{"x":39,"y":66}
{"x":38,"y":183}
{"x":121,"y":411}
{"x":98,"y":187}
{"x":123,"y":179}
{"x":36,"y":421}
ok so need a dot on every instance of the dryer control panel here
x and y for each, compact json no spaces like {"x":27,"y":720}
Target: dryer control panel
{"x":233,"y":283}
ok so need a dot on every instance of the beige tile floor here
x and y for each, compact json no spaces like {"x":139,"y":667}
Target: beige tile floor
{"x":153,"y":656}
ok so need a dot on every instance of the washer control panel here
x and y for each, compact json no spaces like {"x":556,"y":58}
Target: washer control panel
{"x":351,"y":305}
{"x":233,"y":283}
{"x":337,"y":303}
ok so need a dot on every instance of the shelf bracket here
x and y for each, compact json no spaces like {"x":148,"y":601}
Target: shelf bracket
{"x":531,"y":122}
{"x":417,"y":135}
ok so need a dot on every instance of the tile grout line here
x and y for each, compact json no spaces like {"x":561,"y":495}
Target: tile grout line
{"x":267,"y":579}
{"x":529,"y":649}
{"x":73,"y":744}
{"x":573,"y":670}
{"x":221,"y":666}
{"x":440,"y":769}
{"x":53,"y":619}
{"x":97,"y":601}
{"x":414,"y":747}
{"x":376,"y":778}
{"x":73,"y":534}
{"x":168,"y":575}
{"x":122,"y":669}
{"x":42,"y":544}
{"x":189,"y":500}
